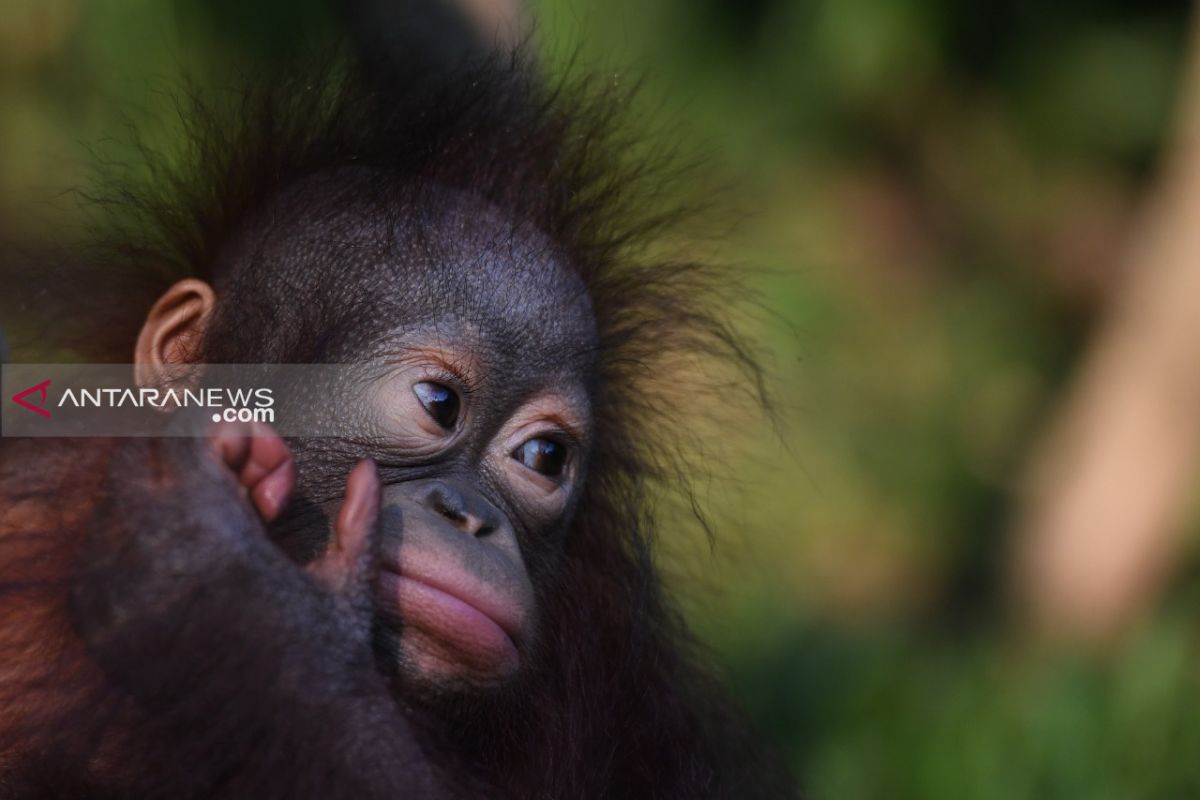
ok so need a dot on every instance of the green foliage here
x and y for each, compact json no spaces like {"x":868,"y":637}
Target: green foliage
{"x":902,"y":714}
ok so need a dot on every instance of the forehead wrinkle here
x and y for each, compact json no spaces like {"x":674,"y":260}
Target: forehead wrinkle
{"x":454,"y":258}
{"x":520,"y":297}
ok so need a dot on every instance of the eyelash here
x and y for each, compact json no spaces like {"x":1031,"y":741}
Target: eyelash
{"x":568,"y":456}
{"x":449,"y":375}
{"x":436,"y":369}
{"x":450,"y":379}
{"x":559,"y":436}
{"x":444,"y":373}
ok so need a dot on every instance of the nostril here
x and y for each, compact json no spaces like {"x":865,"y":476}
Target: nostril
{"x":449,"y":512}
{"x":470,"y":514}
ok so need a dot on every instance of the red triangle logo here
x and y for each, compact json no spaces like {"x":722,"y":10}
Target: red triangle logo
{"x":41,"y":389}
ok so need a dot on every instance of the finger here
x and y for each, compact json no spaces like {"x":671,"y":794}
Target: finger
{"x":359,"y":512}
{"x":229,"y":444}
{"x":269,"y":473}
{"x":261,"y":461}
{"x":268,"y":450}
{"x":273,"y":490}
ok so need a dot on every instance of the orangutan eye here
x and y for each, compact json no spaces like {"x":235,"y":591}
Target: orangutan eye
{"x":544,"y":456}
{"x":440,"y":402}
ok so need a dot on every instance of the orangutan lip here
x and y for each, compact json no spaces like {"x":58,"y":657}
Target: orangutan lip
{"x":496,"y":611}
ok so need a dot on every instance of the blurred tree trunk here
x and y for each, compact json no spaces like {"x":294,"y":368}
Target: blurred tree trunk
{"x":1108,"y":493}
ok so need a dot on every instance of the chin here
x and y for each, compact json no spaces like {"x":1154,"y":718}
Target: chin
{"x":431,"y":663}
{"x":443,"y":643}
{"x":429,"y":674}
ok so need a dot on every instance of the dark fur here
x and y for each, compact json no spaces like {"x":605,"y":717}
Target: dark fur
{"x":626,"y":709}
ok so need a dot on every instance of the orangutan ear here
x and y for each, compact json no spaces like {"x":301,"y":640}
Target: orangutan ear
{"x":174,"y":329}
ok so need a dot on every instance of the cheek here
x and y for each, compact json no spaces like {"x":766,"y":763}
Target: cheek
{"x":303,"y":530}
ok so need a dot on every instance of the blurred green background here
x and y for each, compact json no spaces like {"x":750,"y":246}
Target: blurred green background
{"x":932,"y":197}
